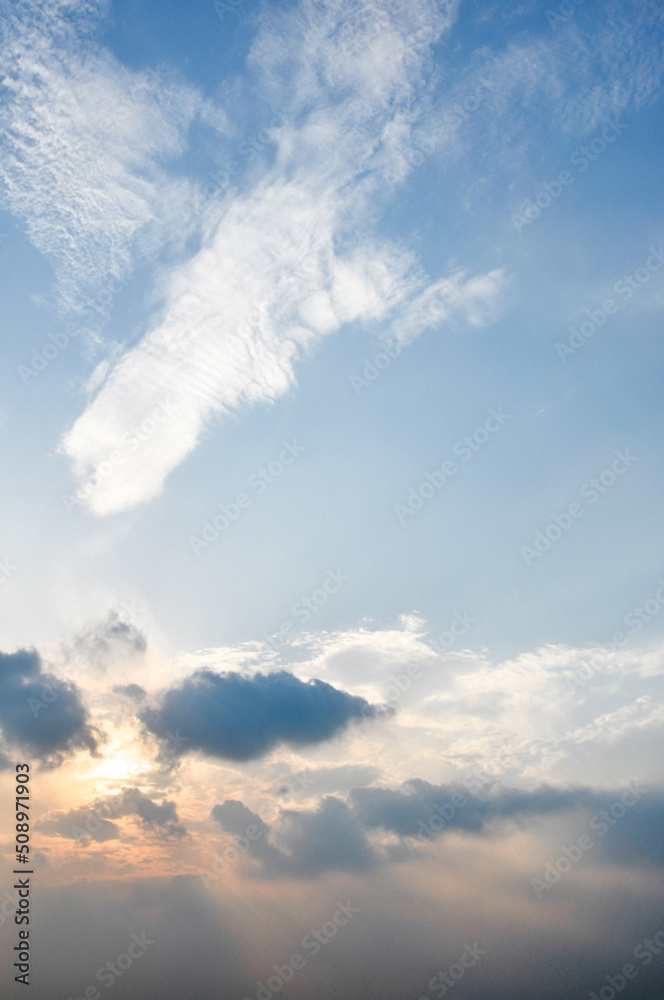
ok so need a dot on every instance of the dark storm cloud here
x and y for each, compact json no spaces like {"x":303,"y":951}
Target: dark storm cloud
{"x":40,"y":713}
{"x":95,"y":821}
{"x":241,"y":718}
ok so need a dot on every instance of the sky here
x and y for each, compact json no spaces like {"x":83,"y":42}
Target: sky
{"x":331,"y":564}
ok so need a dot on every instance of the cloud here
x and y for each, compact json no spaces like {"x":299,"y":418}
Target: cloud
{"x":40,"y":713}
{"x":336,"y":834}
{"x":133,"y":691}
{"x":474,"y":301}
{"x":323,"y":780}
{"x":286,"y":258}
{"x":406,"y":810}
{"x":308,"y":843}
{"x":84,"y":140}
{"x":111,"y":638}
{"x":80,"y":824}
{"x":242,"y":718}
{"x":94,"y":821}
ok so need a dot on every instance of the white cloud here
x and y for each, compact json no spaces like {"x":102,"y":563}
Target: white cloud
{"x":83,"y":138}
{"x":282,"y":263}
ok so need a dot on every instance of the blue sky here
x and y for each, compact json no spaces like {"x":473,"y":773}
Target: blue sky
{"x":367,"y":445}
{"x":312,"y":270}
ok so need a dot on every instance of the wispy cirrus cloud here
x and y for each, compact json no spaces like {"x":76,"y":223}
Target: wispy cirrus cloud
{"x":282,"y":264}
{"x":84,"y":144}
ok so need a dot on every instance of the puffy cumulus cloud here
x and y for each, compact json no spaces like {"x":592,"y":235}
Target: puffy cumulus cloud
{"x":557,"y":713}
{"x":39,"y":713}
{"x":95,"y":821}
{"x":286,"y":258}
{"x":241,"y":718}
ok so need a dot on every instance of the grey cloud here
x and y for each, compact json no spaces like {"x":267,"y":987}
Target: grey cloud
{"x":323,"y":780}
{"x":135,"y":802}
{"x":79,"y":824}
{"x":96,"y":820}
{"x":40,"y":713}
{"x":133,"y":691}
{"x":404,"y":811}
{"x":308,"y":842}
{"x":242,"y":718}
{"x":110,"y":639}
{"x":335,"y":835}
